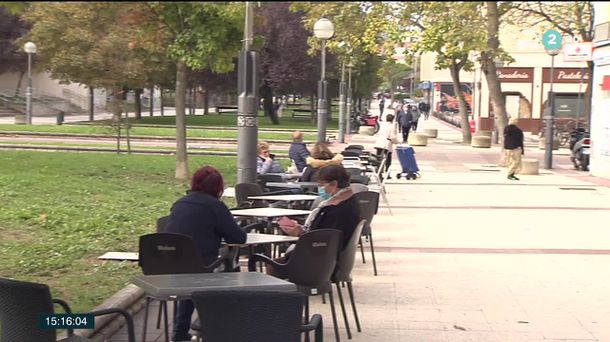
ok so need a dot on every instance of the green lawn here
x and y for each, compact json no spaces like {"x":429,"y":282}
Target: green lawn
{"x":61,"y":210}
{"x":230,"y":120}
{"x":148,"y":131}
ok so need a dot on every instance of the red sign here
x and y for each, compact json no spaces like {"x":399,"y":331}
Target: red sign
{"x":606,"y":83}
{"x":565,"y":75}
{"x":515,"y":75}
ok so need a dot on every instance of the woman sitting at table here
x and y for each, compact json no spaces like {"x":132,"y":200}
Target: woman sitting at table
{"x":201,"y":215}
{"x":339,"y":209}
{"x":320,"y":156}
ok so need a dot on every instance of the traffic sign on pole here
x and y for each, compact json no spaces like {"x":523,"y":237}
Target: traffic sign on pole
{"x":551,"y":40}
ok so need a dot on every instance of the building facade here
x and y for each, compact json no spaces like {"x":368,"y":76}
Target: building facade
{"x":600,"y":100}
{"x":526,"y":83}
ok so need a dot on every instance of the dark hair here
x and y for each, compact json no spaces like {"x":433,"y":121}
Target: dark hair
{"x":334,"y":172}
{"x":208,"y":180}
{"x":389,"y":118}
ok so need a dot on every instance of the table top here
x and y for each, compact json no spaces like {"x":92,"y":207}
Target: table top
{"x":181,"y":286}
{"x":229,"y":192}
{"x":256,"y":239}
{"x":287,"y":175}
{"x":293,"y":197}
{"x":297,"y":185}
{"x":268,"y":212}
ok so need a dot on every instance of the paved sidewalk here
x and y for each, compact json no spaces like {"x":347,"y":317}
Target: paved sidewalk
{"x":469,"y":255}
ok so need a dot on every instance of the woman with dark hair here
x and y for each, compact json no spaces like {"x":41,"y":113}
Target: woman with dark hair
{"x":201,"y":215}
{"x":338,"y":210}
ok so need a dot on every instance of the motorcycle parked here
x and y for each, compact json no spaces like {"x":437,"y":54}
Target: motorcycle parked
{"x":364,"y":119}
{"x":580,"y":145}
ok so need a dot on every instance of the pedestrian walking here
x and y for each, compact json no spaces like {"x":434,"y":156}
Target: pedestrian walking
{"x":381,"y":104}
{"x":513,"y":147}
{"x":415,"y":117}
{"x":385,"y":142}
{"x":404,"y":118}
{"x":424,"y":108}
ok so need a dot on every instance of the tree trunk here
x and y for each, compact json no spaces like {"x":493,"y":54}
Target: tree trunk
{"x":138,"y":103}
{"x":489,"y":69}
{"x":152,"y":100}
{"x":457,"y":90}
{"x":181,"y":157}
{"x":161,"y":100}
{"x":586,"y":108}
{"x":206,"y":102}
{"x":18,"y":89}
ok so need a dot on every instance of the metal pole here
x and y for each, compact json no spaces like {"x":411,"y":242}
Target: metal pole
{"x":548,"y":139}
{"x":342,"y":105}
{"x":322,"y":109}
{"x":28,"y":93}
{"x":247,"y":121}
{"x":91,"y":104}
{"x":348,"y":106}
{"x":582,"y":72}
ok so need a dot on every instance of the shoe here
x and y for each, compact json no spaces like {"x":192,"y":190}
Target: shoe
{"x":512,"y":177}
{"x":389,"y":177}
{"x":515,"y":178}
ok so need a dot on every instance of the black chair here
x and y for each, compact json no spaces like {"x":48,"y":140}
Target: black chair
{"x":357,"y":187}
{"x":355,"y":147}
{"x":369,"y":204}
{"x":22,"y":302}
{"x":245,"y":190}
{"x":343,"y":273}
{"x":169,"y":253}
{"x":162,"y":223}
{"x":310,"y":266}
{"x":353,"y":171}
{"x":253,"y":316}
{"x":361,"y":179}
{"x":263,"y":179}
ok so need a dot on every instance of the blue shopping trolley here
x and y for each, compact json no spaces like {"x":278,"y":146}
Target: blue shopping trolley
{"x":406,"y":156}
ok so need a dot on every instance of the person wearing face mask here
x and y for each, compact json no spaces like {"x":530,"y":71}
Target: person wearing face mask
{"x":338,"y":209}
{"x":201,"y":215}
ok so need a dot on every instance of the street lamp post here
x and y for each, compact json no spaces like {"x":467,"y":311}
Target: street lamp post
{"x":348,"y":107}
{"x":496,"y":135}
{"x":548,"y":139}
{"x":342,"y":105}
{"x":30,"y":48}
{"x":247,"y":104}
{"x":323,"y":29}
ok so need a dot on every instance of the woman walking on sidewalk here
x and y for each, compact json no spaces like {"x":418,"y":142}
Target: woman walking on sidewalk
{"x":513,"y":147}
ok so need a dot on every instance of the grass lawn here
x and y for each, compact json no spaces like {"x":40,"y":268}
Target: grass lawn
{"x":61,"y":210}
{"x":148,"y":131}
{"x":230,"y":120}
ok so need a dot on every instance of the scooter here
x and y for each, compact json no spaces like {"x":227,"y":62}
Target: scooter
{"x":580,"y":145}
{"x":365,"y":119}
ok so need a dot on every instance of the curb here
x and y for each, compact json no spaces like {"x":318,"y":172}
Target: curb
{"x":130,"y":298}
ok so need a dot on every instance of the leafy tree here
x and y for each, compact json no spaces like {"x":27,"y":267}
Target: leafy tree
{"x":204,"y":35}
{"x":393,"y":73}
{"x":285,"y":63}
{"x":11,"y":57}
{"x":572,"y":18}
{"x":449,"y":30}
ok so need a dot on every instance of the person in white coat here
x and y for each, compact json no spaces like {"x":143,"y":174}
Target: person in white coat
{"x":388,"y":136}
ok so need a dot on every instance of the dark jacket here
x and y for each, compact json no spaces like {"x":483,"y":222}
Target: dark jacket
{"x":298,"y":152}
{"x":344,"y":217}
{"x":513,"y":137}
{"x":207,"y":220}
{"x":405,"y":118}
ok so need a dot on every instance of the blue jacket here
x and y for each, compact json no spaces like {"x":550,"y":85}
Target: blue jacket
{"x":207,"y":220}
{"x":298,"y":152}
{"x":405,"y":118}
